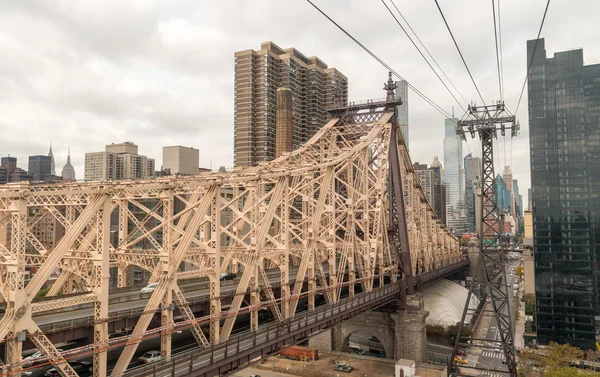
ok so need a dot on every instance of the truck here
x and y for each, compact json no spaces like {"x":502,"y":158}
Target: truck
{"x":299,"y":353}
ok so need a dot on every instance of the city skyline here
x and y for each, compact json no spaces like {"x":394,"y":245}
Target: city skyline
{"x":161,"y":74}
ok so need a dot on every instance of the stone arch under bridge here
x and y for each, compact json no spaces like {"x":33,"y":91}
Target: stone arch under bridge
{"x":377,"y":324}
{"x":401,"y":333}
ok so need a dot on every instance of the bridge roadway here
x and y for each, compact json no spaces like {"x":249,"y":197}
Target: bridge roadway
{"x":125,"y":307}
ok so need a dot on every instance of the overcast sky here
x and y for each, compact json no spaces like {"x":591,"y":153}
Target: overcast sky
{"x":88,"y":73}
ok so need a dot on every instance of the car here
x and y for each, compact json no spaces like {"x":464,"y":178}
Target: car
{"x":150,"y":357}
{"x":149,"y":288}
{"x":29,"y":360}
{"x":373,"y":339}
{"x":460,"y":360}
{"x":461,"y":352}
{"x":356,"y":350}
{"x":227,"y":276}
{"x":78,"y":366}
{"x":380,"y":354}
{"x":254,"y":375}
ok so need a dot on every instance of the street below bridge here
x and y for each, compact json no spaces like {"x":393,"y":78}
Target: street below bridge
{"x":493,"y":359}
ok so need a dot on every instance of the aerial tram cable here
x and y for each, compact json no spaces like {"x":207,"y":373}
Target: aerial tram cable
{"x":422,"y":55}
{"x":374,"y":56}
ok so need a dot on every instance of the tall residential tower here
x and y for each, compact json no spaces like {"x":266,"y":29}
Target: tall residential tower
{"x":564,"y":139}
{"x":258,"y":75}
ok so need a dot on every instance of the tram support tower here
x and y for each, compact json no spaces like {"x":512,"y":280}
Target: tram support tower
{"x":490,"y":275}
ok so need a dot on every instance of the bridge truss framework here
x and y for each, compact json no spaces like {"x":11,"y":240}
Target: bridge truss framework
{"x":324,"y":208}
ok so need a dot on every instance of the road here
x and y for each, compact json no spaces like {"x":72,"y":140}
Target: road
{"x":491,"y":358}
{"x":137,"y":301}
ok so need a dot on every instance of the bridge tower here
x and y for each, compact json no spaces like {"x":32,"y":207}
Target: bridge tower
{"x":490,"y":274}
{"x":400,"y":324}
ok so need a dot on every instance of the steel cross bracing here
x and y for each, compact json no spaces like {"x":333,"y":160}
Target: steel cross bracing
{"x":486,"y":121}
{"x":323,"y":209}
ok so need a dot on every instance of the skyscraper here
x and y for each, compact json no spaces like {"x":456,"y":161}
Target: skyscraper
{"x":52,"y":164}
{"x":258,"y":75}
{"x":68,"y":172}
{"x":427,"y":182}
{"x":10,"y":163}
{"x":39,"y":167}
{"x":517,"y":199}
{"x":453,"y":174}
{"x":118,"y":161}
{"x":402,"y":93}
{"x":472,"y":173}
{"x":439,"y":193}
{"x":508,"y":180}
{"x":564,"y":140}
{"x":502,"y":195}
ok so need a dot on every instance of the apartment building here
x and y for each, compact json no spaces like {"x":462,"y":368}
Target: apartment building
{"x":118,"y":161}
{"x":258,"y":75}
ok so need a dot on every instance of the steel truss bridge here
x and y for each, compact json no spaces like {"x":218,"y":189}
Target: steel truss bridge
{"x":344,"y":208}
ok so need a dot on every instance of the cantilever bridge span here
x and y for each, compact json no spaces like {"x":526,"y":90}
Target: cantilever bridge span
{"x":345,"y":208}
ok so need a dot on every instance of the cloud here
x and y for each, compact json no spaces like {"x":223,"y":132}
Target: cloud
{"x":86,"y":74}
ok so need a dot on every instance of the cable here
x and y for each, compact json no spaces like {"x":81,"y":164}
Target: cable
{"x":429,"y":101}
{"x":532,"y":55}
{"x":427,"y":61}
{"x":428,"y":53}
{"x":460,"y":53}
{"x":500,"y":38}
{"x":497,"y":52}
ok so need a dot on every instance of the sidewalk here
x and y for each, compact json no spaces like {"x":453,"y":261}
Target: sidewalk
{"x":520,"y":327}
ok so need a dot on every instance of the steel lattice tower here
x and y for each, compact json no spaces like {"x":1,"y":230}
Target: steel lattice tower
{"x":490,"y":274}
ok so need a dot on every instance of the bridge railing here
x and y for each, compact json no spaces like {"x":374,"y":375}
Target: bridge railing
{"x":267,"y":339}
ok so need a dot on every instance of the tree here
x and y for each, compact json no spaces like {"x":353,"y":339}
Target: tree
{"x":555,"y":360}
{"x":519,"y":271}
{"x":567,"y":372}
{"x":560,"y":355}
{"x":529,"y":304}
{"x":452,"y":332}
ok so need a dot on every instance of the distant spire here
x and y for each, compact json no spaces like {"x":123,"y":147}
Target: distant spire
{"x":68,"y":173}
{"x":52,"y":164}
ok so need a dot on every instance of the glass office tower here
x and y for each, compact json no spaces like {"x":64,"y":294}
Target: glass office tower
{"x":564,"y":137}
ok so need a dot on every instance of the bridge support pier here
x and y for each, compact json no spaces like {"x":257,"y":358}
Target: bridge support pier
{"x":401,"y":333}
{"x":410,"y":330}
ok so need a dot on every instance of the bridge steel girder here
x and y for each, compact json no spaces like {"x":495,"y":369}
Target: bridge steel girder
{"x":324,"y":207}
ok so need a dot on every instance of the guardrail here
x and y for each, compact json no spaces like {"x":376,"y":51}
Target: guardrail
{"x":267,"y":339}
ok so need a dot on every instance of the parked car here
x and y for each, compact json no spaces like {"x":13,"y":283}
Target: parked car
{"x":356,"y":350}
{"x":227,"y":276}
{"x":150,"y":357}
{"x":78,"y":366}
{"x":149,"y":288}
{"x":29,"y":360}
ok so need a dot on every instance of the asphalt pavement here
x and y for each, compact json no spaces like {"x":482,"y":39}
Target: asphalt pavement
{"x":492,"y":359}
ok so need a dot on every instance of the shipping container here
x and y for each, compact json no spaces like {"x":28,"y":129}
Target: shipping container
{"x":300,"y":353}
